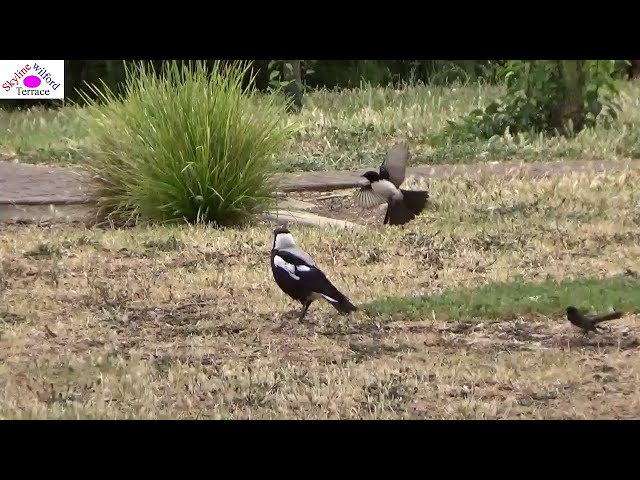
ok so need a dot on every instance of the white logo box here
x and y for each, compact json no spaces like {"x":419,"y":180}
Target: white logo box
{"x":32,"y":79}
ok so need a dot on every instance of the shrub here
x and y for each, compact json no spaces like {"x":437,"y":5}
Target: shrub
{"x":543,"y":96}
{"x":188,"y":144}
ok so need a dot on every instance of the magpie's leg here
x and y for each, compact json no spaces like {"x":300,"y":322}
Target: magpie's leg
{"x":304,"y":310}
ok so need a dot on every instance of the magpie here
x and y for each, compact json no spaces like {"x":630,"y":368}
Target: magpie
{"x":384,"y":186}
{"x":589,"y":323}
{"x":297,"y":275}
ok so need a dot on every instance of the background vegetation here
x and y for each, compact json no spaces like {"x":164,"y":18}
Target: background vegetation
{"x":349,"y":128}
{"x":314,"y":73}
{"x":346,"y":114}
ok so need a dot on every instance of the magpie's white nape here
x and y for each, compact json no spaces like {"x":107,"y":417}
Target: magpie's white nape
{"x":297,"y":275}
{"x":384,"y":187}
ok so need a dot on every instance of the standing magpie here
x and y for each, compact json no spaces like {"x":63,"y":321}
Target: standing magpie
{"x":296,"y":274}
{"x":384,"y":186}
{"x":589,"y":323}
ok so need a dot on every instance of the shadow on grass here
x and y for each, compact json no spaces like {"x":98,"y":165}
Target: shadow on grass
{"x":506,"y":300}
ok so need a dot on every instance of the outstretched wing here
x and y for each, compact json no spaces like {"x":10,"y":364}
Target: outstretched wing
{"x":309,"y":276}
{"x":394,"y":166}
{"x":367,"y":198}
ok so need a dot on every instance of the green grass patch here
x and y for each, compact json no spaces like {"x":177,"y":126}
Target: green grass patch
{"x":40,"y":135}
{"x":506,"y":300}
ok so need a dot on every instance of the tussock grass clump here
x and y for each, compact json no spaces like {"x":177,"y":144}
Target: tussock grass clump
{"x":190,"y":144}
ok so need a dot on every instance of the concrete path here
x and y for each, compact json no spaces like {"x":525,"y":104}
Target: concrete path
{"x":28,"y":190}
{"x":40,"y":185}
{"x":321,"y":181}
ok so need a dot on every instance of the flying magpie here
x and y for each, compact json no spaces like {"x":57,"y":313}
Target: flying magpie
{"x":384,"y":186}
{"x":589,"y":323}
{"x":297,"y":275}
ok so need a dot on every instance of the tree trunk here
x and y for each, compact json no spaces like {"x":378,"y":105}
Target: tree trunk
{"x":75,"y":79}
{"x":572,"y":107}
{"x":291,"y":73}
{"x":633,"y":70}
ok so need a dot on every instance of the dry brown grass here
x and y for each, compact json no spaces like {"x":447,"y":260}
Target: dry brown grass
{"x":187,"y":322}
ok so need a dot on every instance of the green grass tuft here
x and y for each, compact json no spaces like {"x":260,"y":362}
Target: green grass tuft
{"x":189,"y":145}
{"x":506,"y":300}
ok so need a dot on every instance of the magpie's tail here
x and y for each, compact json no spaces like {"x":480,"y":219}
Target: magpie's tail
{"x":339,"y":301}
{"x":405,"y":210}
{"x":415,"y":200}
{"x":345,"y":306}
{"x":607,"y":316}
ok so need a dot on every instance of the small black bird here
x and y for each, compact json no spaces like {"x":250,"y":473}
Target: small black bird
{"x":589,"y":323}
{"x":296,"y":274}
{"x":384,"y":186}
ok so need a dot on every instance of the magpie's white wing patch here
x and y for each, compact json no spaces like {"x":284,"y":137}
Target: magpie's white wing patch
{"x":385,"y":189}
{"x":279,"y":262}
{"x":291,"y":269}
{"x":367,"y":198}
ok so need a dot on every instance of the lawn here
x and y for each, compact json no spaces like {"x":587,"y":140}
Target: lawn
{"x":462,"y":310}
{"x":341,"y":130}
